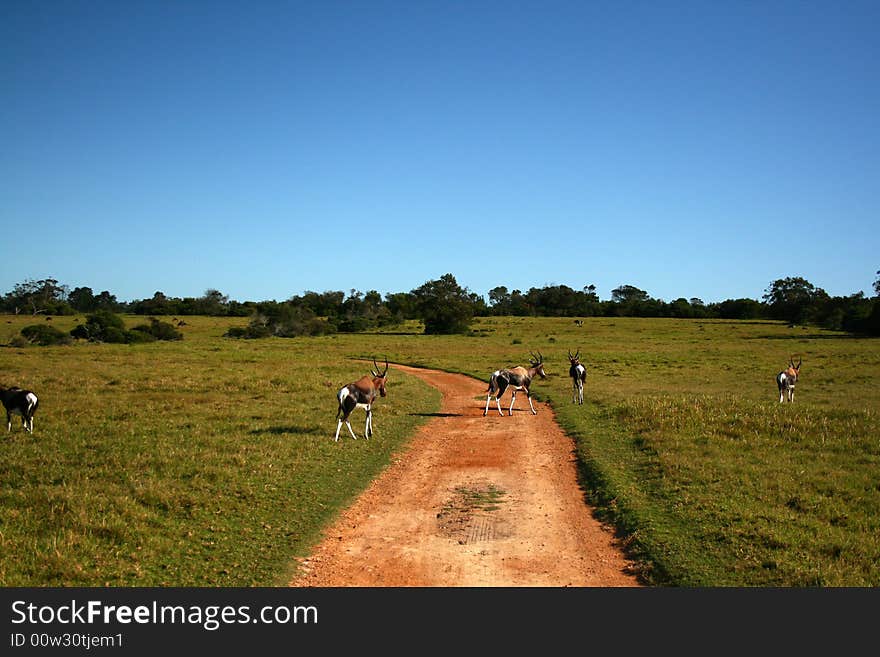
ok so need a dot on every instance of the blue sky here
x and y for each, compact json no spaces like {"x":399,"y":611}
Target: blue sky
{"x":691,"y":149}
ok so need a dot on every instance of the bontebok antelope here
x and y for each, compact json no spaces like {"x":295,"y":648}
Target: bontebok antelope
{"x":578,"y":374}
{"x":361,"y":394}
{"x":517,"y":378}
{"x":20,"y":402}
{"x":787,"y":378}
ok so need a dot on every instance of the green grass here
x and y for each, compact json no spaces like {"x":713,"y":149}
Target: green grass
{"x":210,"y":461}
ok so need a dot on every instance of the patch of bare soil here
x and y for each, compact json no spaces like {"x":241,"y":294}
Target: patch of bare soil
{"x":474,"y":501}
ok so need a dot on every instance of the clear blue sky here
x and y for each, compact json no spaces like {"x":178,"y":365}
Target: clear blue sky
{"x":691,"y":149}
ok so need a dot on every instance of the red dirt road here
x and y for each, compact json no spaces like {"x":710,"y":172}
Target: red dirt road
{"x":474,"y":501}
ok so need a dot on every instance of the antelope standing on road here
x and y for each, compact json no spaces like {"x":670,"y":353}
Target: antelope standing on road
{"x":361,"y":394}
{"x":19,"y":402}
{"x":578,"y":374}
{"x":517,"y":378}
{"x":786,"y":380}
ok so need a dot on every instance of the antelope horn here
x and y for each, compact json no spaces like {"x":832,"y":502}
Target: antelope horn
{"x":385,"y":371}
{"x":376,"y":372}
{"x":570,"y":357}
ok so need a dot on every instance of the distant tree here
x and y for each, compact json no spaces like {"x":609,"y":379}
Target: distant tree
{"x":82,"y":299}
{"x":554,"y":301}
{"x":402,"y":305}
{"x":628,"y":300}
{"x":681,"y":308}
{"x":212,"y":302}
{"x":740,"y":309}
{"x":877,"y":285}
{"x":793,"y":299}
{"x":361,"y":312}
{"x":626,"y":294}
{"x":499,"y":299}
{"x":159,"y":304}
{"x":444,"y":306}
{"x":283,"y":320}
{"x":107,"y":301}
{"x":325,"y":304}
{"x":36,"y":297}
{"x":872,"y":323}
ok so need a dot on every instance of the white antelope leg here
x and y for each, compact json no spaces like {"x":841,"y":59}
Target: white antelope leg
{"x":347,"y":422}
{"x":534,"y":412}
{"x":512,"y":401}
{"x":368,"y":427}
{"x":497,"y":402}
{"x":339,"y":426}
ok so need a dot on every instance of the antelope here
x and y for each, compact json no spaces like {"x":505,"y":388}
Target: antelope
{"x":20,"y":402}
{"x":787,"y":378}
{"x":518,"y":378}
{"x":578,"y":374}
{"x":360,"y":394}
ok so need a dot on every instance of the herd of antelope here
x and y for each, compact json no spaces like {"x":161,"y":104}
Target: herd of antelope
{"x":364,"y":392}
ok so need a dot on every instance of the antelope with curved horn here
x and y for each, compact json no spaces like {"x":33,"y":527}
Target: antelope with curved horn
{"x":361,"y":394}
{"x":578,"y":374}
{"x":787,"y":378}
{"x":516,"y":378}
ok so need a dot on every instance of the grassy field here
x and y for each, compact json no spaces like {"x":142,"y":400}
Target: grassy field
{"x":209,"y":461}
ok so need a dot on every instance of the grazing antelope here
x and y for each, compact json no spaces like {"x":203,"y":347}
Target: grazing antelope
{"x":20,"y":402}
{"x":361,"y":394}
{"x":517,"y":378}
{"x":578,"y":374}
{"x":787,"y":378}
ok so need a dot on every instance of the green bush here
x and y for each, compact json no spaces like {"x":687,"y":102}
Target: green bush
{"x":137,"y":336}
{"x":101,"y":326}
{"x":283,"y":321}
{"x":114,"y":335}
{"x":105,"y":326}
{"x":159,"y":330}
{"x":44,"y":335}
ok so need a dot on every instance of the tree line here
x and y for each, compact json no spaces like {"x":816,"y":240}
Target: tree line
{"x":444,"y":306}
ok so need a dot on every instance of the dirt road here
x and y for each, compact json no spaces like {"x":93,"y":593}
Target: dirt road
{"x":474,"y":501}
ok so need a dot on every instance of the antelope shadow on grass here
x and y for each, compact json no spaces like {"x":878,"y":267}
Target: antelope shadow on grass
{"x":435,"y":414}
{"x":292,"y":428}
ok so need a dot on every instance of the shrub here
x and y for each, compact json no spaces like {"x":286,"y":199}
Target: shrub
{"x":114,"y":335}
{"x":159,"y":330}
{"x":44,"y":335}
{"x":283,"y":321}
{"x":101,"y":326}
{"x":105,"y":326}
{"x":137,"y":336}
